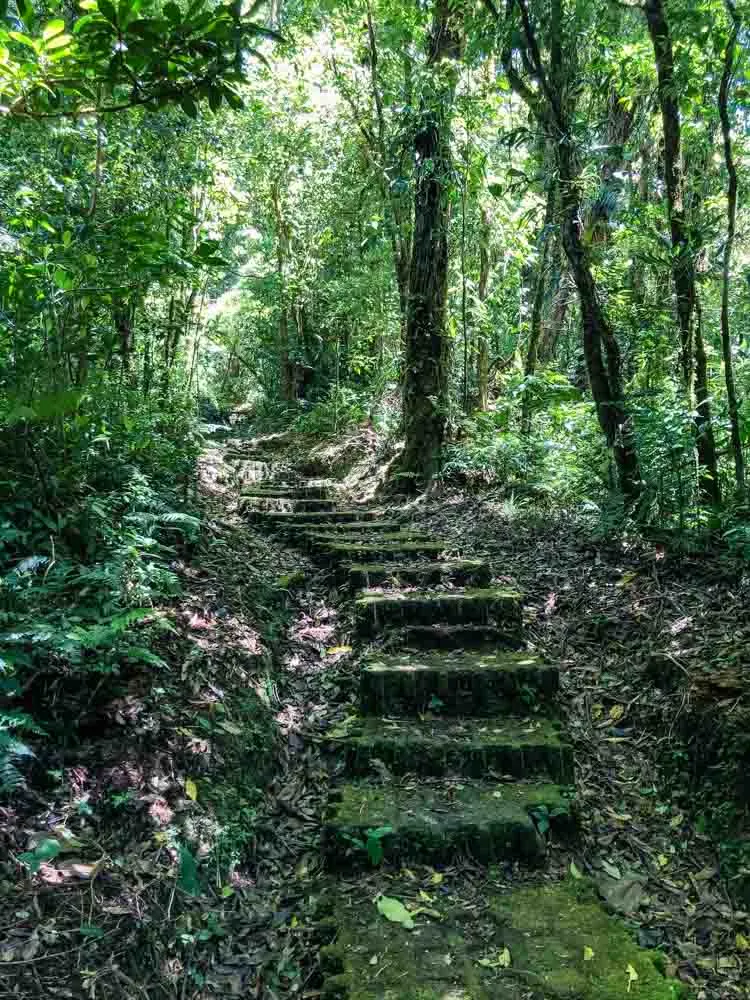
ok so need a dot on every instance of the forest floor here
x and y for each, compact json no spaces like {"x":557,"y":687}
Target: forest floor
{"x":222,"y":763}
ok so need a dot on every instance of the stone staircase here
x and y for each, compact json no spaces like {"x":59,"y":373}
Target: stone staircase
{"x":453,"y":700}
{"x":456,"y":753}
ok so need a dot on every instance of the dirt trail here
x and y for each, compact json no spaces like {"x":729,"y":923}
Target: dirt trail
{"x":454,"y":771}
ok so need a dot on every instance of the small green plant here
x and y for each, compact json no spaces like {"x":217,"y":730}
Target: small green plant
{"x":372,"y":845}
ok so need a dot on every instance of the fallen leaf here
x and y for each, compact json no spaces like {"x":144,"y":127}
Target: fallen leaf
{"x":436,"y":878}
{"x":395,"y":911}
{"x":611,"y":869}
{"x":575,"y":871}
{"x":588,"y":953}
{"x":502,"y":961}
{"x":742,"y":943}
{"x":632,"y":976}
{"x":191,"y":789}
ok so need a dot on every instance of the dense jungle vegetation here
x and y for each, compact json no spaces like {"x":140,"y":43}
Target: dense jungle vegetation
{"x":506,"y":239}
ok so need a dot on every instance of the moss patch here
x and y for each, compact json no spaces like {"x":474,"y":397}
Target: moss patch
{"x":544,"y":928}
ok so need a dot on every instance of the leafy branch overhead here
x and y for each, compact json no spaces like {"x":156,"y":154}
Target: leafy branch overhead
{"x":110,"y":57}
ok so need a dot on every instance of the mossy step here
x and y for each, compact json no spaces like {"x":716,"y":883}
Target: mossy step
{"x":464,"y":572}
{"x":261,"y":509}
{"x":344,"y":528}
{"x":523,"y":748}
{"x":498,"y":607}
{"x":328,"y":517}
{"x":381,"y":549}
{"x":455,"y":637}
{"x":436,"y":821}
{"x":457,"y":683}
{"x":287,"y":491}
{"x":561,"y":945}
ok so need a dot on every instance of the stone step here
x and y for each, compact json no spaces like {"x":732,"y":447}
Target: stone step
{"x":457,"y":683}
{"x":431,"y":821}
{"x":464,"y":572}
{"x":561,"y":945}
{"x":283,"y":507}
{"x":300,"y":491}
{"x":382,"y":549}
{"x":343,"y":529}
{"x":453,"y":637}
{"x":505,"y":745}
{"x":497,"y":607}
{"x":324,"y":517}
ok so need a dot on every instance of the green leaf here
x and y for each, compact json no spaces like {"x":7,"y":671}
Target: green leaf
{"x":59,"y":42}
{"x":395,"y":911}
{"x":188,"y":879}
{"x":91,"y":931}
{"x":53,"y":28}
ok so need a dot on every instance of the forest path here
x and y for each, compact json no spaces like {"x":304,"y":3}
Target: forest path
{"x":455,"y":761}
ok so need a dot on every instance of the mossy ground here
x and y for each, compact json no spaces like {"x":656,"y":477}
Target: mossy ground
{"x":455,"y":953}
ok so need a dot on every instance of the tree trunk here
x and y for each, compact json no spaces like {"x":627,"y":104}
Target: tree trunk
{"x":283,"y":242}
{"x":600,"y":347}
{"x":483,"y":345}
{"x":427,"y":348}
{"x":535,"y":332}
{"x":726,"y":336}
{"x":683,"y":266}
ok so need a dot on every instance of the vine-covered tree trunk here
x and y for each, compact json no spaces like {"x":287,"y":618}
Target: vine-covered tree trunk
{"x":427,"y":348}
{"x":683,"y":265}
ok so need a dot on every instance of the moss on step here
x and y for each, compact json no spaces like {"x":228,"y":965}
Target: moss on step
{"x":494,"y":606}
{"x":464,"y":572}
{"x":437,"y":821}
{"x":380,"y":549}
{"x":524,"y":748}
{"x":457,"y":683}
{"x":545,"y":929}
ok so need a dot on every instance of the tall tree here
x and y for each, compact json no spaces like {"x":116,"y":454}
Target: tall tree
{"x":427,"y":348}
{"x":692,"y":355}
{"x":545,"y":87}
{"x":727,"y":76}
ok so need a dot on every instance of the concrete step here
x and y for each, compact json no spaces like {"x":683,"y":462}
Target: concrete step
{"x":440,"y":820}
{"x":497,"y":607}
{"x":505,"y":745}
{"x":457,"y":683}
{"x":381,"y":550}
{"x":463,"y":572}
{"x":454,"y":637}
